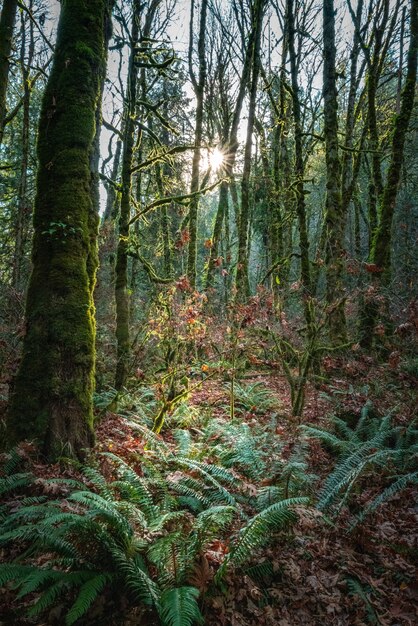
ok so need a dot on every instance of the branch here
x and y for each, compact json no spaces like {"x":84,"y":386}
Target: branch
{"x":152,"y":275}
{"x":112,"y":128}
{"x":160,"y":157}
{"x":164,"y":201}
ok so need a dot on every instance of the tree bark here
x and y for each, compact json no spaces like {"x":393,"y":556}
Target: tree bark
{"x":382,"y":240}
{"x":242,"y":283}
{"x":335,"y":218}
{"x":51,"y":400}
{"x":23,"y":205}
{"x":7,"y":24}
{"x":121,"y":269}
{"x":299,"y":169}
{"x":198,"y":86}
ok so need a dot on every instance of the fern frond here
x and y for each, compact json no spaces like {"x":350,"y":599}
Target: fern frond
{"x":36,"y":579}
{"x":401,"y":483}
{"x":136,"y":578}
{"x":328,"y":438}
{"x":134,"y":489}
{"x":207,"y":471}
{"x":13,"y":461}
{"x":15,"y":481}
{"x":99,"y":482}
{"x":88,"y":593}
{"x":14,"y":572}
{"x":348,"y":470}
{"x":184,"y":441}
{"x":179,"y":607}
{"x":260,"y":527}
{"x":355,"y":588}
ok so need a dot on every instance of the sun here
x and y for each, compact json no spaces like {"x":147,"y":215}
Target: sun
{"x":216,"y":158}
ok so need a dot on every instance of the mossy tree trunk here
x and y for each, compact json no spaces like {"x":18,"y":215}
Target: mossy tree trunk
{"x":299,"y":168}
{"x":121,"y":270}
{"x":335,"y":217}
{"x":382,"y":240}
{"x":51,"y":399}
{"x":198,"y":87}
{"x":7,"y":23}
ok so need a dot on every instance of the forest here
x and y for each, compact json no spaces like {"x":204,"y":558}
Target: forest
{"x":208,"y":312}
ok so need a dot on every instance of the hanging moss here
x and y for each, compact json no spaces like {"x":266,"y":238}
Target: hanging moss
{"x":52,"y":393}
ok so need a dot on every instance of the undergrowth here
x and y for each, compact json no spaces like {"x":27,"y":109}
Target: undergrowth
{"x":142,"y":533}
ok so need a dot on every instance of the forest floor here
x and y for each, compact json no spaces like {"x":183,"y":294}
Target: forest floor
{"x":319,"y":573}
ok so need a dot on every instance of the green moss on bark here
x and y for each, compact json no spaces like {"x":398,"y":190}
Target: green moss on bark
{"x":52,"y":393}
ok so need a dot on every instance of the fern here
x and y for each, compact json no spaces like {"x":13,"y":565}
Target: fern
{"x":88,"y":593}
{"x":347,"y":472}
{"x":372,"y":443}
{"x":259,"y":530}
{"x":179,"y":607}
{"x":12,"y":461}
{"x":398,"y":485}
{"x":355,"y":588}
{"x":254,"y":397}
{"x":15,"y":481}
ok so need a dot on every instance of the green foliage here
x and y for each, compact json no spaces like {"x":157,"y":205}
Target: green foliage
{"x":179,"y":607}
{"x":371,"y":443}
{"x":356,"y":589}
{"x":254,"y":398}
{"x":259,"y":530}
{"x":108,"y":537}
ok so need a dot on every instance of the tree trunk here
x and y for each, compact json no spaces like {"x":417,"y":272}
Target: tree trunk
{"x":7,"y":24}
{"x":121,"y":270}
{"x":51,"y":400}
{"x":299,"y":169}
{"x":23,"y":205}
{"x":242,"y":284}
{"x":198,"y":86}
{"x":335,"y":218}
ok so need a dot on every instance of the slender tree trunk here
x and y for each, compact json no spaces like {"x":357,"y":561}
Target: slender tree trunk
{"x":198,"y":86}
{"x":335,"y":218}
{"x":110,"y":211}
{"x":51,"y":400}
{"x":7,"y":24}
{"x":121,"y":270}
{"x":242,"y":284}
{"x":23,"y":206}
{"x":299,"y":168}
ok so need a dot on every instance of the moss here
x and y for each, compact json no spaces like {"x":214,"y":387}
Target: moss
{"x":52,"y":393}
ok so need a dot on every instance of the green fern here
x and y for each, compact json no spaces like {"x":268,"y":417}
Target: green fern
{"x":355,"y":588}
{"x":259,"y":529}
{"x":398,"y":485}
{"x":254,"y":397}
{"x":14,"y":482}
{"x":88,"y":593}
{"x":373,"y":442}
{"x":179,"y":607}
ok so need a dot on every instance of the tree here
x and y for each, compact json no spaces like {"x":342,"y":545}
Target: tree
{"x":242,"y":284}
{"x":121,"y":270}
{"x":51,"y":399}
{"x":382,"y":240}
{"x":335,"y":218}
{"x":7,"y":23}
{"x":199,"y":88}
